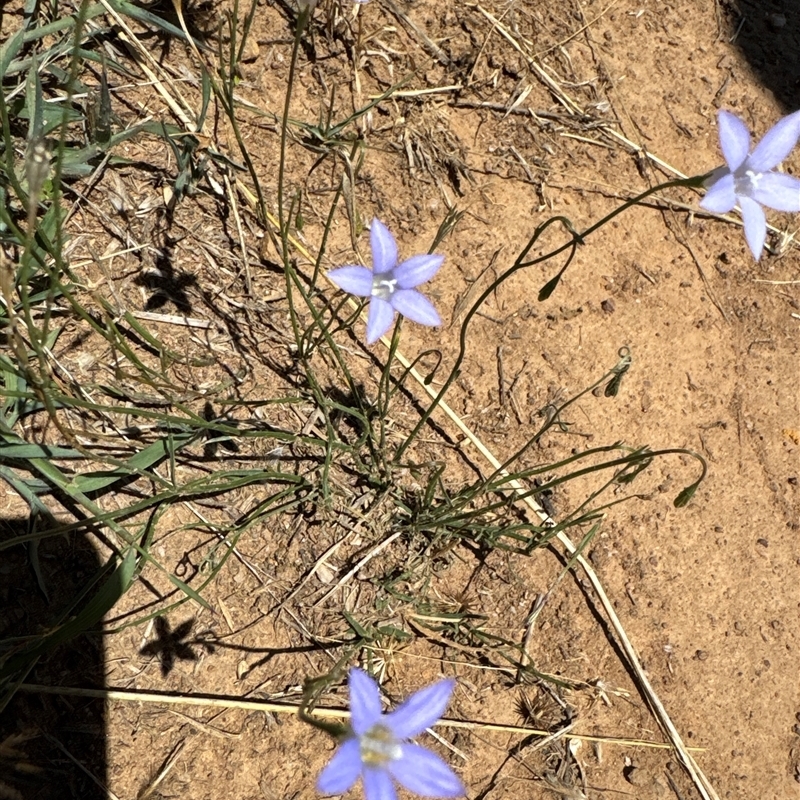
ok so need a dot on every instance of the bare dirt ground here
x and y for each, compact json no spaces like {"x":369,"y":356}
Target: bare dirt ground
{"x":504,"y":113}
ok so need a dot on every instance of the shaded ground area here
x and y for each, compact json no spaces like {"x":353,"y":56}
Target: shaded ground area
{"x":768,"y":36}
{"x":42,"y":737}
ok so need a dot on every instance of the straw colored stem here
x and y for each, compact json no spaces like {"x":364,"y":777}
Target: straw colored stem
{"x":160,"y":698}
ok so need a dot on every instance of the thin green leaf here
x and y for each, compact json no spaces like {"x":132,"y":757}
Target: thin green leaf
{"x":37,"y":510}
{"x":206,"y":99}
{"x":33,"y":557}
{"x":28,"y":451}
{"x":10,"y":49}
{"x":34,"y":102}
{"x":148,"y":18}
{"x":136,"y":465}
{"x":356,"y":626}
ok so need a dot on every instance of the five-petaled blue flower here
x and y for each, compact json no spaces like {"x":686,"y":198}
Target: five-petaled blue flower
{"x":749,"y":179}
{"x":391,"y":286}
{"x":377,"y":748}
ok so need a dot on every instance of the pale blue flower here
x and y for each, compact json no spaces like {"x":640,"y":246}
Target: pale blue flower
{"x":750,"y":179}
{"x":377,"y":748}
{"x":389,"y":285}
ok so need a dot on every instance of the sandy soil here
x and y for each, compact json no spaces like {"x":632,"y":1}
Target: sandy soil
{"x":504,"y":113}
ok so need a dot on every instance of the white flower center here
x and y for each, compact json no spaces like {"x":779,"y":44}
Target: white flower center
{"x":378,"y":745}
{"x":383,"y":285}
{"x":747,"y":183}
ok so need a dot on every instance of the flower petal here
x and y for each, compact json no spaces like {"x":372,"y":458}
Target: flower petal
{"x":379,"y":319}
{"x":778,"y":191}
{"x":384,"y":247}
{"x":720,"y":198}
{"x":734,"y":139}
{"x":424,"y":773}
{"x":342,"y":769}
{"x":365,"y":698}
{"x":755,"y":225}
{"x":356,"y":280}
{"x":417,"y":270}
{"x":378,"y":785}
{"x":422,"y":709}
{"x":414,"y":305}
{"x":777,"y":143}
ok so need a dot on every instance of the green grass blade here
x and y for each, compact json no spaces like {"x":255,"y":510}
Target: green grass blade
{"x":136,"y":465}
{"x":28,"y":451}
{"x":10,"y":49}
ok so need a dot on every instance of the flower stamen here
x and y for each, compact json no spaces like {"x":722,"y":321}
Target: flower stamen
{"x":383,"y":285}
{"x":748,"y":183}
{"x":378,"y":747}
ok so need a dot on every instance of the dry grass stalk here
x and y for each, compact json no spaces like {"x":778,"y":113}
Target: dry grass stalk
{"x":327,"y":713}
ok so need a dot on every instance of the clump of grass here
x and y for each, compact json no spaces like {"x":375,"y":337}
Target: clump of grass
{"x":107,"y":461}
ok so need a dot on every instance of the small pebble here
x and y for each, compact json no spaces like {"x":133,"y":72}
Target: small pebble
{"x":635,"y":776}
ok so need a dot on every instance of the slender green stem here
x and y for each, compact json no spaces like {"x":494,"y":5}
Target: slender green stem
{"x":520,"y":263}
{"x":623,"y":364}
{"x":302,"y":19}
{"x":385,"y":394}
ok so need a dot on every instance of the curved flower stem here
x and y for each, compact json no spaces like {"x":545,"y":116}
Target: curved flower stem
{"x":614,"y":375}
{"x":311,"y":690}
{"x":520,"y":263}
{"x":335,"y":729}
